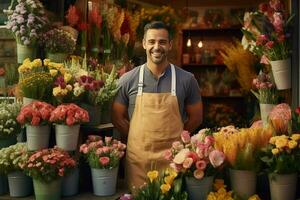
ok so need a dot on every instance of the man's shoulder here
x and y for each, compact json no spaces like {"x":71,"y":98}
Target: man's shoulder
{"x":183,"y":74}
{"x":129,"y":76}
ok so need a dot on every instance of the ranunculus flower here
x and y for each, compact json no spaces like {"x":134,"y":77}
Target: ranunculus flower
{"x":104,"y":160}
{"x":187,"y":163}
{"x":216,"y":158}
{"x":180,"y":157}
{"x":209,"y":140}
{"x":201,"y":165}
{"x":198,"y":174}
{"x":185,"y":137}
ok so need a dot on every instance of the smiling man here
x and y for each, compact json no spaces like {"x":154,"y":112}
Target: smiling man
{"x":155,"y":102}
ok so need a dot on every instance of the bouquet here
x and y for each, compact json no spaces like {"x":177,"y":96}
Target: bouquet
{"x":296,"y":119}
{"x":30,"y":67}
{"x":69,"y":114}
{"x":164,"y":186}
{"x":13,"y":158}
{"x":37,"y":86}
{"x":195,"y":156}
{"x":267,"y":93}
{"x":49,"y":164}
{"x":266,"y":32}
{"x":58,"y":41}
{"x":280,"y":117}
{"x":282,"y":156}
{"x":242,"y":146}
{"x":26,"y":20}
{"x":36,"y":113}
{"x":102,"y":154}
{"x":8,"y":123}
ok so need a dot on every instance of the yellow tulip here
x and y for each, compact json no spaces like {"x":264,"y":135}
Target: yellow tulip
{"x":53,"y":72}
{"x":275,"y":151}
{"x":169,"y":180}
{"x":26,"y":61}
{"x":152,"y":175}
{"x":292,"y":144}
{"x":46,"y":61}
{"x":165,"y":188}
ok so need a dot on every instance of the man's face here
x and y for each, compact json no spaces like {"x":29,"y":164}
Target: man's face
{"x":157,"y":45}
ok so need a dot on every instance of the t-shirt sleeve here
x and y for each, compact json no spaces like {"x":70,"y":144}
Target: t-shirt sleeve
{"x":193,"y":93}
{"x":122,"y":94}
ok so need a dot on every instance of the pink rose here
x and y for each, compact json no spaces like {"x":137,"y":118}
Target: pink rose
{"x":107,"y":140}
{"x":209,"y":140}
{"x":104,"y":160}
{"x":177,"y":146}
{"x":216,"y":158}
{"x":187,"y":163}
{"x":70,"y":121}
{"x":84,"y":149}
{"x":201,"y":165}
{"x":193,"y":155}
{"x":185,"y":137}
{"x":35,"y":121}
{"x":198,"y":174}
{"x":168,"y":155}
{"x":106,"y":149}
{"x":269,"y":45}
{"x":99,"y":151}
{"x":176,"y":167}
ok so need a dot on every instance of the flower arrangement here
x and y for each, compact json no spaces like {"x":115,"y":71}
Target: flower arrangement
{"x":222,"y":193}
{"x":195,"y":156}
{"x":35,"y":114}
{"x":13,"y":158}
{"x":69,"y":114}
{"x":102,"y":154}
{"x":241,"y":147}
{"x":266,"y":32}
{"x":58,"y":41}
{"x":8,"y":123}
{"x":282,"y":156}
{"x":49,"y":164}
{"x":266,"y":89}
{"x":164,"y":186}
{"x":37,"y":86}
{"x":241,"y":63}
{"x":26,"y":20}
{"x":29,"y":67}
{"x":280,"y":118}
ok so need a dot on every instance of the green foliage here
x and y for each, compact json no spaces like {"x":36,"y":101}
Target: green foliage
{"x":8,"y":123}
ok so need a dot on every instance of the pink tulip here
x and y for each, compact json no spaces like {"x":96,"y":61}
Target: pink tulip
{"x":185,"y":137}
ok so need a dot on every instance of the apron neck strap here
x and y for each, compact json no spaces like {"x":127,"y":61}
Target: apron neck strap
{"x":141,"y":80}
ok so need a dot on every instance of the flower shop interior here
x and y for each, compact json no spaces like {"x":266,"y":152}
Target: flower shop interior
{"x":60,"y":66}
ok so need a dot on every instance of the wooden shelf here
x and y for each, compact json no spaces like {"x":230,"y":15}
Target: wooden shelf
{"x":212,"y":29}
{"x":223,"y":97}
{"x":202,"y":65}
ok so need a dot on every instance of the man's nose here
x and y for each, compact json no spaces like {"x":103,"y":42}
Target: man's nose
{"x":156,"y":45}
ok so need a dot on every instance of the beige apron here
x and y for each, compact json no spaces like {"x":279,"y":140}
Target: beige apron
{"x":155,"y":124}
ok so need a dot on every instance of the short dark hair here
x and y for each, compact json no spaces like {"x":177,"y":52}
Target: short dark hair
{"x":157,"y":25}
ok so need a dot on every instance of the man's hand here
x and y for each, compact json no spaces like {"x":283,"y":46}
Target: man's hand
{"x":120,"y":119}
{"x":194,"y":116}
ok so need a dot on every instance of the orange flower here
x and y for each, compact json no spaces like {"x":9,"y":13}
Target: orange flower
{"x":2,"y":71}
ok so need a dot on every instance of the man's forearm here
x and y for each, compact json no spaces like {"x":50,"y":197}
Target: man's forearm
{"x":191,"y":124}
{"x":122,"y":126}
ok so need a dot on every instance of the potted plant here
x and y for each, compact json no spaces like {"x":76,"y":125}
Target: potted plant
{"x":36,"y":117}
{"x":165,"y":185}
{"x":67,"y":119}
{"x":266,"y":35}
{"x":26,"y":20}
{"x":197,"y":158}
{"x":281,"y":118}
{"x":282,"y":162}
{"x":47,"y":167}
{"x":103,"y":157}
{"x":12,"y":161}
{"x":9,"y":127}
{"x":241,"y":151}
{"x":58,"y":44}
{"x":266,"y":95}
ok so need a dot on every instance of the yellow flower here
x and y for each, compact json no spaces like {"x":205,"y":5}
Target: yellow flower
{"x":67,"y":77}
{"x":295,"y":137}
{"x":165,"y":188}
{"x":152,"y":175}
{"x":292,"y":144}
{"x":254,"y":197}
{"x":69,"y":87}
{"x":219,"y":183}
{"x":56,"y":91}
{"x":275,"y":151}
{"x":37,"y":63}
{"x":171,"y":172}
{"x":26,"y":61}
{"x":53,"y":72}
{"x":169,"y":179}
{"x":46,"y":61}
{"x":281,"y":142}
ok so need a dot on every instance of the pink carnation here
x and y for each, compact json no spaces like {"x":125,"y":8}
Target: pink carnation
{"x":104,"y":160}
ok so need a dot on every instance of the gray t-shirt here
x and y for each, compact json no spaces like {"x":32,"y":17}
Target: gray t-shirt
{"x":187,"y":89}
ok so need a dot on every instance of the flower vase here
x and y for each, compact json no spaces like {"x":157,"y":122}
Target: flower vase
{"x":70,"y":183}
{"x":243,"y":182}
{"x":47,"y":191}
{"x":57,"y":57}
{"x":282,"y":73}
{"x":67,"y":136}
{"x":19,"y":184}
{"x":265,"y":109}
{"x":24,"y":52}
{"x":94,"y":114}
{"x":104,"y":181}
{"x":27,"y":101}
{"x":198,"y":189}
{"x":283,"y":186}
{"x":37,"y":137}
